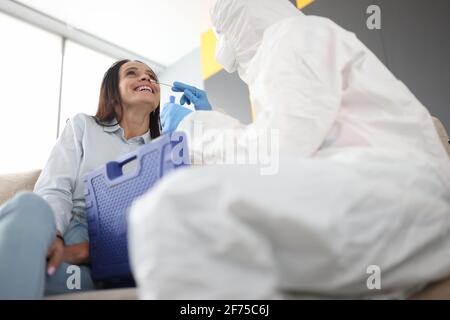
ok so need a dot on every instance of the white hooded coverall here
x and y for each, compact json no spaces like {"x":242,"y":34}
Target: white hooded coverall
{"x":363,"y":183}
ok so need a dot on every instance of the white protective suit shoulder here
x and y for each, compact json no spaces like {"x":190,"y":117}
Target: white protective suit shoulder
{"x":315,"y":83}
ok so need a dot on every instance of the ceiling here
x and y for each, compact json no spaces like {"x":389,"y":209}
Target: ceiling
{"x":161,"y":31}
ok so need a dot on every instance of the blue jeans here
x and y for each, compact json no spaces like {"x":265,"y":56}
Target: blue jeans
{"x":27,"y":229}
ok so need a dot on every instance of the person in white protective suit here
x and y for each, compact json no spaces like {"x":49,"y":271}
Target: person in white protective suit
{"x":360,"y":206}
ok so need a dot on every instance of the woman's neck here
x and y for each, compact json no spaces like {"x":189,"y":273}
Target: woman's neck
{"x":135,"y":123}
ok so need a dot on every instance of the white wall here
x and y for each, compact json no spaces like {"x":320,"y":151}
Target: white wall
{"x":187,"y":70}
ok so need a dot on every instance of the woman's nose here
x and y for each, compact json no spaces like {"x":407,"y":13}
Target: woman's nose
{"x":145,"y":77}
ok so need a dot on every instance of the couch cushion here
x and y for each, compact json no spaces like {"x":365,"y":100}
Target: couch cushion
{"x":436,"y":291}
{"x":110,"y":294}
{"x":10,"y":184}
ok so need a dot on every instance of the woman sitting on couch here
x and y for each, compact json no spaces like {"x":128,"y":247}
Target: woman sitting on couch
{"x":43,"y":233}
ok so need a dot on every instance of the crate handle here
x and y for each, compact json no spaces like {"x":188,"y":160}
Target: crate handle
{"x":114,"y":168}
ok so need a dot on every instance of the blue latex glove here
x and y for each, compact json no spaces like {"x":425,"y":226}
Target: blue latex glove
{"x":171,"y":116}
{"x":192,"y":94}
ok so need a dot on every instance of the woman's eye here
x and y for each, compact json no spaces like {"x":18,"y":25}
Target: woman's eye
{"x":131,"y":73}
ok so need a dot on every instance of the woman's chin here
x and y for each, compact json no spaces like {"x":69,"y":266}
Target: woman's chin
{"x":146,"y":104}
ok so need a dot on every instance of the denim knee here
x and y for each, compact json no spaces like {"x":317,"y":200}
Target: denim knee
{"x":31,"y":214}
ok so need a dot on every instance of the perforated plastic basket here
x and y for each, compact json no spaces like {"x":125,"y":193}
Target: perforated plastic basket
{"x":109,"y":194}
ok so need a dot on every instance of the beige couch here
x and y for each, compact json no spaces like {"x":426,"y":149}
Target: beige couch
{"x":10,"y":184}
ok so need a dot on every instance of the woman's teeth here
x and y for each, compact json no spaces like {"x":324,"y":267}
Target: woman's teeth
{"x":144,"y":88}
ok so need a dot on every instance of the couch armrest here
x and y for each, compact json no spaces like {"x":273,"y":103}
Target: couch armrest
{"x":442,"y":134}
{"x":10,"y":184}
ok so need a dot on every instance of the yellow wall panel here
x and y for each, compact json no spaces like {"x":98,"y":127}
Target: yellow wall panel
{"x":303,"y":3}
{"x":207,"y":50}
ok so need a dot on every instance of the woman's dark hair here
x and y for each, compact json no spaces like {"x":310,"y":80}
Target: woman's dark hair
{"x":110,"y":100}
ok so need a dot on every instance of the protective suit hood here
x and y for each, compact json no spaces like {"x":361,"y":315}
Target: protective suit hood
{"x":242,"y":24}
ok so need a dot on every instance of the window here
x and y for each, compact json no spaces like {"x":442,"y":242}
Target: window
{"x":29,"y":85}
{"x":82,"y":77}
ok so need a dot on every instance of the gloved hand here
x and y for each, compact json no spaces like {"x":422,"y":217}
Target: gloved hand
{"x":192,"y":94}
{"x":171,"y":115}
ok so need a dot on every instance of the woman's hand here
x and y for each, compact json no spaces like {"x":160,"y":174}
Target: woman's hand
{"x":171,"y":116}
{"x":77,"y":253}
{"x":55,"y":255}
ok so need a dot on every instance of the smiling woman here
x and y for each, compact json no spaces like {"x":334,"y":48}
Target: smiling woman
{"x":54,"y":216}
{"x":119,"y":92}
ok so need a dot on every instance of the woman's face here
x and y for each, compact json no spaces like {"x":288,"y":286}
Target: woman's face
{"x":136,"y":87}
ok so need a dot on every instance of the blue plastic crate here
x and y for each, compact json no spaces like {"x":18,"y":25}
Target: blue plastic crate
{"x":109,"y":194}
